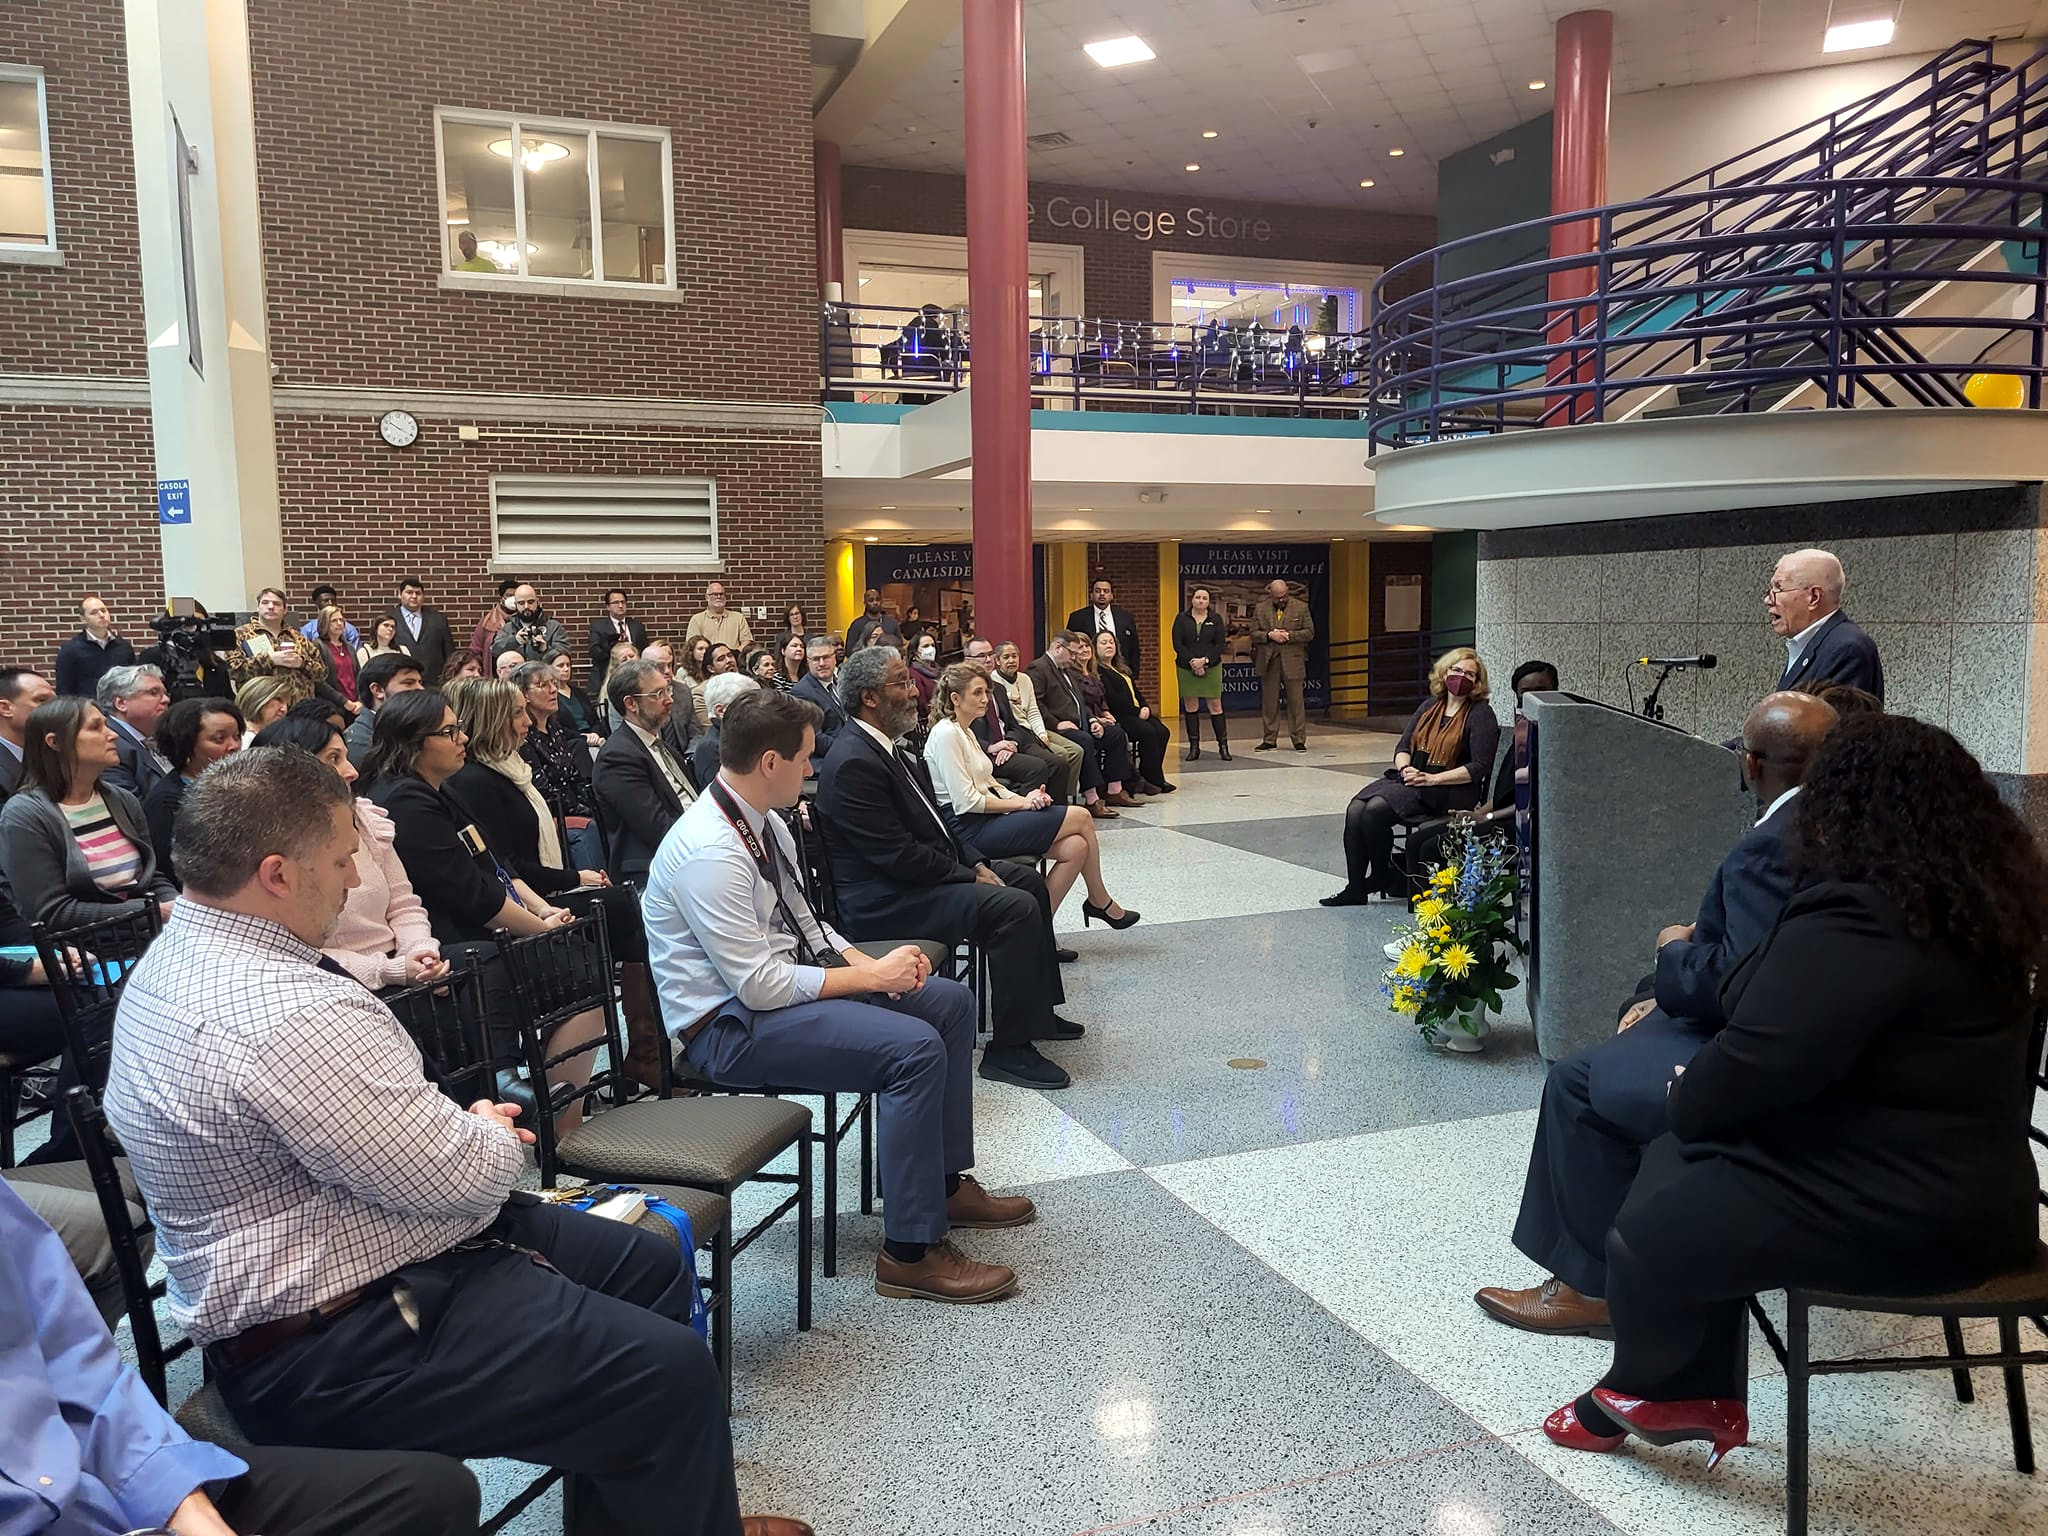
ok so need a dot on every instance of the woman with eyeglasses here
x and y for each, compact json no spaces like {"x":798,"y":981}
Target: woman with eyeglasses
{"x":469,"y":893}
{"x":1441,"y":764}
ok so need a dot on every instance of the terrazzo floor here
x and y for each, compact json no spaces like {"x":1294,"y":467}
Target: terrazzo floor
{"x":1245,"y":1307}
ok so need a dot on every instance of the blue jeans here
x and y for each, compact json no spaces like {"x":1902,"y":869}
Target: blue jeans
{"x":915,"y":1053}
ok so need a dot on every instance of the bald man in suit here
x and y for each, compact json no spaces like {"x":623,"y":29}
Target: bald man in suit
{"x":1282,"y":628}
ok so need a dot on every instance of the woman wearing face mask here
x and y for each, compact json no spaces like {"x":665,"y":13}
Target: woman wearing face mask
{"x":1440,"y":765}
{"x":924,"y":670}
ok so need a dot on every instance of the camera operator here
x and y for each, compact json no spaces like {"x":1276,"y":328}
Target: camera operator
{"x":530,"y":632}
{"x":267,"y":646}
{"x":187,"y":653}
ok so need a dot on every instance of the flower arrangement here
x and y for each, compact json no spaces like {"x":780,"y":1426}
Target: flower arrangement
{"x":1454,"y":952}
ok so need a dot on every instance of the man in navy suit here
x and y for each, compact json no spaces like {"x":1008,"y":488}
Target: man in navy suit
{"x":821,"y":665}
{"x":1603,"y":1106}
{"x":1821,"y":645}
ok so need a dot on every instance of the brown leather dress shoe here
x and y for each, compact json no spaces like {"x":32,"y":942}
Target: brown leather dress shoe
{"x":943,"y":1274}
{"x":1123,"y":799}
{"x":1100,"y":811}
{"x":971,"y":1205}
{"x":1552,"y":1307}
{"x":773,"y":1525}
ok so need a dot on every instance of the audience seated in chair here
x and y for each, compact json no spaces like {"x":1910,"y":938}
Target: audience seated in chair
{"x":1014,"y":693}
{"x":381,"y":677}
{"x":109,"y":1458}
{"x":898,"y":867}
{"x":719,"y":694}
{"x":1860,"y":1122}
{"x":193,"y":734}
{"x":821,"y":665}
{"x":134,"y":700}
{"x":760,"y":992}
{"x":1058,"y":688}
{"x":357,"y":1258}
{"x":1602,"y":1106}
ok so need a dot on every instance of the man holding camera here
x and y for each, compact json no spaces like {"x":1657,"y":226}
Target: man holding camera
{"x":530,"y":632}
{"x":759,"y":990}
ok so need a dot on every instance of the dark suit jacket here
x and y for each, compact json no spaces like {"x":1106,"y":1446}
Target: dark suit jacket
{"x":10,"y":773}
{"x":703,"y":759}
{"x":635,"y":805}
{"x":680,"y":729}
{"x":81,"y":663}
{"x":137,"y":770}
{"x":1082,"y":622}
{"x":604,"y":635}
{"x":888,"y":851}
{"x":1056,"y":702}
{"x":1869,"y":1083}
{"x":459,"y":889}
{"x":1012,"y":731}
{"x":1743,"y":900}
{"x":434,"y":646}
{"x":1840,"y":653}
{"x":509,"y":824}
{"x":809,"y":689}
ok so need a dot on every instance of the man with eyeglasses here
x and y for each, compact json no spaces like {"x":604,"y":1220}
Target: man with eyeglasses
{"x":719,"y":624}
{"x":641,"y":787}
{"x":1604,"y":1105}
{"x":1804,"y":601}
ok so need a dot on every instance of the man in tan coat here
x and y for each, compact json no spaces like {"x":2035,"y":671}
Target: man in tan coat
{"x":1281,"y":631}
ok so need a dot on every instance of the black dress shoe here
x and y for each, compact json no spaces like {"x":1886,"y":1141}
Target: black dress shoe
{"x":1267,"y":746}
{"x":1022,"y":1067}
{"x":1348,"y":897}
{"x":1066,"y":956}
{"x":1066,"y":1029}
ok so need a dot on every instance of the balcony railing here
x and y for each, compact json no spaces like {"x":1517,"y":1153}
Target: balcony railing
{"x":887,"y":354}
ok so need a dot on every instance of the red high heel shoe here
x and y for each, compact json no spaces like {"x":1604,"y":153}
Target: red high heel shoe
{"x":1723,"y":1420}
{"x":1564,"y":1427}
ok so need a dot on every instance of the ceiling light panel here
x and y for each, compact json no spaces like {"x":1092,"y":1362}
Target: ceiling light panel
{"x":1116,"y":52}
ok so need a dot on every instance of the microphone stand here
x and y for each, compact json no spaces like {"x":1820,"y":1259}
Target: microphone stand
{"x":1652,"y":710}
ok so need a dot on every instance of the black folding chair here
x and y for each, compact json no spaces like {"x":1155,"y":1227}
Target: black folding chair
{"x":88,"y":967}
{"x":680,"y":1148}
{"x":2018,"y":1295}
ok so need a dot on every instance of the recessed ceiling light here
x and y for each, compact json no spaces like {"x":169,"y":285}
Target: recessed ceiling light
{"x":1337,"y":539}
{"x":912,"y":128}
{"x":1084,"y":509}
{"x":1367,"y":182}
{"x":1115,"y":52}
{"x":1397,"y":153}
{"x":869,"y":539}
{"x":1537,"y":85}
{"x":1262,"y":511}
{"x":1847,"y":36}
{"x":1194,"y":166}
{"x":1208,"y":133}
{"x":885,"y":509}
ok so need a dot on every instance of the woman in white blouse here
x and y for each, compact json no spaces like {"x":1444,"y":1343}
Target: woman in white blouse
{"x":1006,"y":825}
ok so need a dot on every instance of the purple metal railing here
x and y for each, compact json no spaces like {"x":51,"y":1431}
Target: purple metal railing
{"x":1768,"y":273}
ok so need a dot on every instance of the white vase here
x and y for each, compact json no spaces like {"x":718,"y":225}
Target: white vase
{"x":1454,"y":1036}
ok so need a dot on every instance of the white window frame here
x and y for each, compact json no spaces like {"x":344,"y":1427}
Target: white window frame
{"x":45,"y":252}
{"x":1168,"y":266}
{"x":518,"y":125}
{"x":596,"y":558}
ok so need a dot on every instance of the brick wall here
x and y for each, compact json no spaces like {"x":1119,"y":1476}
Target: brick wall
{"x":84,"y":317}
{"x":345,"y":99}
{"x":1133,"y":569}
{"x":77,"y":515}
{"x":358,"y":516}
{"x":1118,"y":267}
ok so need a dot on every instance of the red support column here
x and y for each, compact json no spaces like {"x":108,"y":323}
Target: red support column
{"x":999,"y":358}
{"x":1578,"y":180}
{"x":831,"y":221}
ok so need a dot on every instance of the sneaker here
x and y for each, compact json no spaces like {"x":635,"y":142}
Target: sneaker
{"x":1022,"y":1067}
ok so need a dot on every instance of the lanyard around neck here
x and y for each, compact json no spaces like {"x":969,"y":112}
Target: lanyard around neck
{"x":728,"y":807}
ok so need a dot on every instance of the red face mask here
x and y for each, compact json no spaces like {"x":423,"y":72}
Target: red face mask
{"x":1457,"y":684}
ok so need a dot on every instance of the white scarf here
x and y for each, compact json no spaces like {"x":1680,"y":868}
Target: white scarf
{"x":520,"y":772}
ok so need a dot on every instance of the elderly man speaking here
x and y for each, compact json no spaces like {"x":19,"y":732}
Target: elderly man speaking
{"x":1821,"y":645}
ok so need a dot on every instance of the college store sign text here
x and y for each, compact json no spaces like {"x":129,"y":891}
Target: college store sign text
{"x":1194,"y":223}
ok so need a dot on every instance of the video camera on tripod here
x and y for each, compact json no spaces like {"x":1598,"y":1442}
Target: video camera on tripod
{"x":190,"y":642}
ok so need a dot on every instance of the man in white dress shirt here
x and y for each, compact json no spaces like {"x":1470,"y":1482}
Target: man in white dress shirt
{"x":758,"y":991}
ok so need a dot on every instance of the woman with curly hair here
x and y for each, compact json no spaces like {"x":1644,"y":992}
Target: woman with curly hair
{"x":1860,"y":1123}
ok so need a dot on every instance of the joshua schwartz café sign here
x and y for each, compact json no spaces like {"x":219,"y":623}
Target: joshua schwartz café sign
{"x":1194,"y":222}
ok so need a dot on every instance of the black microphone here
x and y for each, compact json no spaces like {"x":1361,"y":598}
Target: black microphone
{"x":1705,"y":663}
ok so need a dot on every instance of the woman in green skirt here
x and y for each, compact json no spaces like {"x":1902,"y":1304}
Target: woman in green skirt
{"x":1198,"y":659}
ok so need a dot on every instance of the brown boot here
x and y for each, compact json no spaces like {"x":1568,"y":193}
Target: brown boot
{"x":645,"y":1040}
{"x":943,"y":1274}
{"x":971,"y":1205}
{"x":773,"y":1525}
{"x":1552,"y":1307}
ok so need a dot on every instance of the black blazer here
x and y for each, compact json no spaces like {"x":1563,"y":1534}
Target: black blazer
{"x":604,"y":634}
{"x":1012,"y":731}
{"x":506,"y":818}
{"x":458,"y":887}
{"x":703,"y":759}
{"x":1891,"y":1099}
{"x":81,"y":663}
{"x":812,"y":691}
{"x":136,"y":768}
{"x":1122,"y":694}
{"x":10,"y":773}
{"x":160,"y":810}
{"x":635,"y":806}
{"x":1743,"y":900}
{"x":1082,"y":622}
{"x":434,"y":646}
{"x":1191,"y":640}
{"x":886,"y":846}
{"x":1840,"y":653}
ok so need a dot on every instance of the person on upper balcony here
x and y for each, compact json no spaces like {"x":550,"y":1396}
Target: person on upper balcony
{"x":1804,"y":601}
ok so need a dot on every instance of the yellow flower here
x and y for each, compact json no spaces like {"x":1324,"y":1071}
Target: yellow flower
{"x":1407,"y":1000}
{"x":1457,"y":961}
{"x":1431,"y":910}
{"x":1412,"y":960}
{"x":1436,"y":933}
{"x":1446,"y":878}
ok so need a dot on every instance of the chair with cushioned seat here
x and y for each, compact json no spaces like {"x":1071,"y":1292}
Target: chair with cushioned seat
{"x":712,"y":1145}
{"x":2013,"y":1297}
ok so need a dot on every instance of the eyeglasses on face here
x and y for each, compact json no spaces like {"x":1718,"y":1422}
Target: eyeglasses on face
{"x":1777,"y":589}
{"x":452,"y":732}
{"x":654,"y":693}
